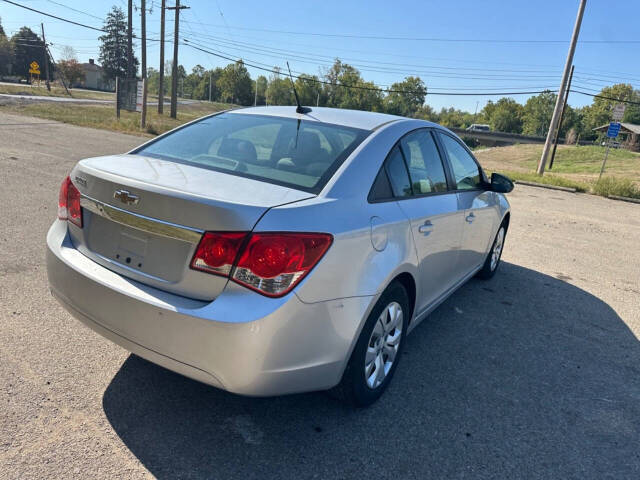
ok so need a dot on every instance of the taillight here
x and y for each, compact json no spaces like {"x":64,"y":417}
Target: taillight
{"x":217,"y":252}
{"x":69,"y":203}
{"x":269,"y":263}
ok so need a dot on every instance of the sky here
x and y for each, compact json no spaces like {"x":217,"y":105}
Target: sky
{"x":455,"y":46}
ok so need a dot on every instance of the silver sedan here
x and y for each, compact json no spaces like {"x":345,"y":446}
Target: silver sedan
{"x":267,"y":252}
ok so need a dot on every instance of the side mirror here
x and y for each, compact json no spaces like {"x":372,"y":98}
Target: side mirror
{"x":500,"y":183}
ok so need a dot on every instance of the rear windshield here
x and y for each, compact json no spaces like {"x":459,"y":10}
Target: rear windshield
{"x":300,"y":154}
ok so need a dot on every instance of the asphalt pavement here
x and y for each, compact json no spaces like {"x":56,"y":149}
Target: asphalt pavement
{"x":534,"y":374}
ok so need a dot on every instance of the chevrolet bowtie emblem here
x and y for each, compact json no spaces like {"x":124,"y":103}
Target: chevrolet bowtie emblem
{"x":126,"y":197}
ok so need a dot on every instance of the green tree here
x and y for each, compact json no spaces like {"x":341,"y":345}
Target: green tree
{"x":236,"y":85}
{"x":406,"y":97}
{"x":426,"y":112}
{"x":345,"y":88}
{"x":309,"y":89}
{"x":27,"y":48}
{"x":6,"y":53}
{"x":279,"y":91}
{"x":599,"y":112}
{"x":113,"y":50}
{"x":452,"y":117}
{"x":262,"y":85}
{"x":537,"y":114}
{"x":504,"y":116}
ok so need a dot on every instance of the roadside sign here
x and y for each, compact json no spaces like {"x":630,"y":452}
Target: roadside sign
{"x":34,"y":68}
{"x":618,"y":112}
{"x":613,"y":130}
{"x":139,"y":96}
{"x":127,"y":94}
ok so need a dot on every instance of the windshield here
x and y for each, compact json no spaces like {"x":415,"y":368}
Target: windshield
{"x":298,"y":153}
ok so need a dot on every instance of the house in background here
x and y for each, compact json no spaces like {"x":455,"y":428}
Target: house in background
{"x":94,"y":78}
{"x":629,"y":135}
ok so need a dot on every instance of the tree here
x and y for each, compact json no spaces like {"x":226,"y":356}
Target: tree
{"x":113,"y":50}
{"x":236,"y":85}
{"x":599,"y":112}
{"x":309,"y":89}
{"x":406,"y":97}
{"x":426,"y":112}
{"x":345,"y":88}
{"x":6,"y":53}
{"x":279,"y":91}
{"x":69,"y":67}
{"x":504,"y":116}
{"x":537,"y":114}
{"x":261,"y":85}
{"x":27,"y":48}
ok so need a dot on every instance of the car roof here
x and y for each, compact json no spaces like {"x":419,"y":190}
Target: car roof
{"x":338,"y":116}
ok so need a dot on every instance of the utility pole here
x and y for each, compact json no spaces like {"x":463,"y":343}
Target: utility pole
{"x":174,"y":69}
{"x":46,"y":58}
{"x":161,"y":79}
{"x":563,"y":86}
{"x":143,"y":31}
{"x":130,"y":73}
{"x":209,"y":85}
{"x":564,"y":107}
{"x":255,"y":97}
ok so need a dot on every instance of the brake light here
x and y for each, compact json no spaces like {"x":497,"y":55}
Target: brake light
{"x":217,"y":252}
{"x":69,"y":203}
{"x":269,"y":263}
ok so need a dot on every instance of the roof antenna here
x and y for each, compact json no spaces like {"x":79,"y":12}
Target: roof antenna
{"x":300,"y":108}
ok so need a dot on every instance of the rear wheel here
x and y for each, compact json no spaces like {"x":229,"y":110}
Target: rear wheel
{"x":492,"y":262}
{"x":377,"y":353}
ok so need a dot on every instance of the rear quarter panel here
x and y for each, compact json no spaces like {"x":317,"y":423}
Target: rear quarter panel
{"x":352,"y":266}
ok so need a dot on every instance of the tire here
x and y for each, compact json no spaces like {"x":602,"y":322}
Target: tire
{"x":492,"y":261}
{"x":373,"y":350}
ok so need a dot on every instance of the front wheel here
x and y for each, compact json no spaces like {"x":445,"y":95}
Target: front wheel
{"x":377,"y":352}
{"x":490,"y":266}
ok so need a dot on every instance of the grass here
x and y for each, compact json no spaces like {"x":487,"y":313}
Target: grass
{"x":624,"y":187}
{"x":56,"y":91}
{"x":548,"y":179}
{"x":574,"y":167}
{"x":104,"y":116}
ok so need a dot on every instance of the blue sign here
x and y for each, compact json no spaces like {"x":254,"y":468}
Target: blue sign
{"x":613,"y":130}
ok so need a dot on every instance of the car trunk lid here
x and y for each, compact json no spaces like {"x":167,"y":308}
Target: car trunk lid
{"x":143,"y":217}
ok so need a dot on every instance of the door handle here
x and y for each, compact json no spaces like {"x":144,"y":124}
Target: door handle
{"x":470,"y":218}
{"x":426,"y":227}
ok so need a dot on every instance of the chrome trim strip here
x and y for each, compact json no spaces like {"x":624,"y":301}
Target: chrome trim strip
{"x":140,"y":222}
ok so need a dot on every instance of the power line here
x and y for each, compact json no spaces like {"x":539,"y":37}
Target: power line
{"x":606,"y":97}
{"x":67,"y":20}
{"x":74,"y":9}
{"x":359,"y":87}
{"x":416,"y":39}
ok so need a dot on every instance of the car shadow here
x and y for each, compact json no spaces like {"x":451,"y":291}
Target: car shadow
{"x":523,"y":376}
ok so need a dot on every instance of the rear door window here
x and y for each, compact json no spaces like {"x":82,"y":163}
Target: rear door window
{"x":397,"y":173}
{"x":424,"y":163}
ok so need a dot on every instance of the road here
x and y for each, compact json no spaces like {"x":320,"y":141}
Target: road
{"x":534,"y":374}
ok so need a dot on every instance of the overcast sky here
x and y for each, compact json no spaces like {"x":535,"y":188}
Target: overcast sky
{"x":454,"y":46}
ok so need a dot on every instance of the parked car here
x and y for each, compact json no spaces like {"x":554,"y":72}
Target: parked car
{"x":267,"y":252}
{"x":478,"y":127}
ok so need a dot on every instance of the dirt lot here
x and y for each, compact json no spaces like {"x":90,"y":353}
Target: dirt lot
{"x":534,"y":374}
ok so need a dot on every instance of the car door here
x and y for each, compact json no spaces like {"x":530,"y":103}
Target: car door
{"x":417,"y":176}
{"x":478,"y":203}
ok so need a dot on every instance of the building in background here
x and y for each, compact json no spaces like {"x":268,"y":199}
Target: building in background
{"x":629,"y":135}
{"x":94,"y":78}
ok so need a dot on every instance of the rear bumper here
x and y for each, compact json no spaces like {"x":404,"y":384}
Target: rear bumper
{"x":242,"y":342}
